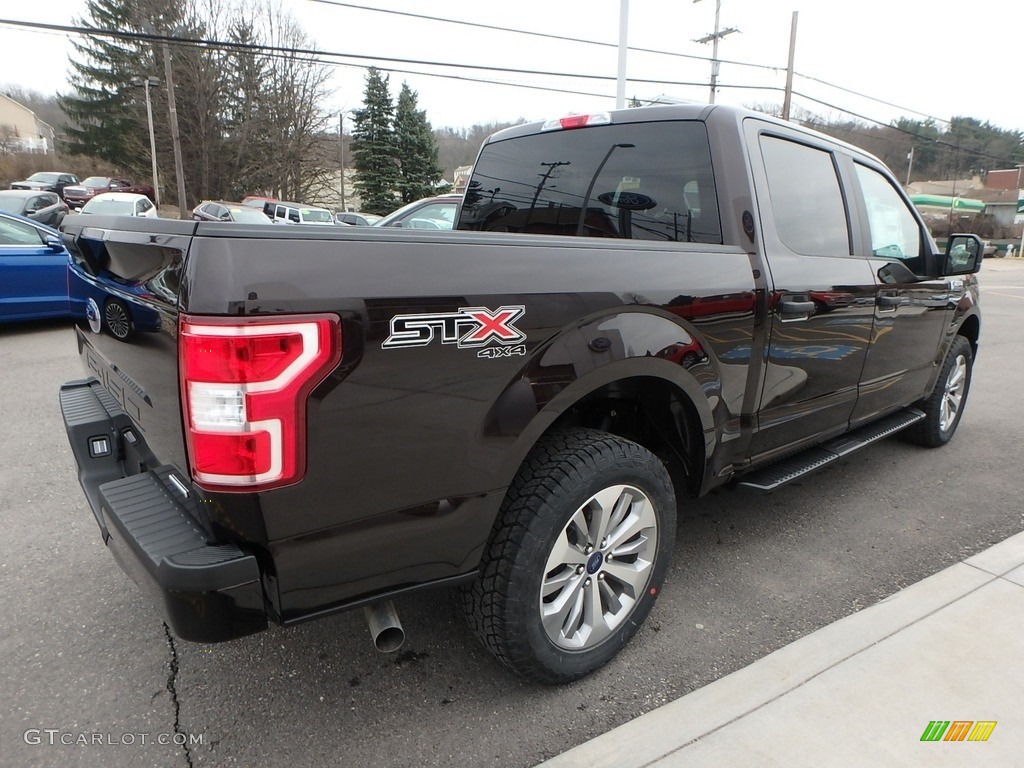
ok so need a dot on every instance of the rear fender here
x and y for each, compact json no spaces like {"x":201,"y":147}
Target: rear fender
{"x":593,"y":355}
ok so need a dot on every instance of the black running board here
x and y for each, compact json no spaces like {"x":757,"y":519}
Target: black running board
{"x":782,"y":472}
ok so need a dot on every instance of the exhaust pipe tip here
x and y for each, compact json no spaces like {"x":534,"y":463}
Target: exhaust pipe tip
{"x":385,"y":628}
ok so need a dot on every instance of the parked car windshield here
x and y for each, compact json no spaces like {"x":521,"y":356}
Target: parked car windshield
{"x":46,"y":178}
{"x":247,"y":215}
{"x":115,"y":207}
{"x":12,"y":203}
{"x":316,"y":214}
{"x":96,"y":181}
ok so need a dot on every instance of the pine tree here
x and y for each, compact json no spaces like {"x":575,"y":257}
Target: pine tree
{"x":417,"y":148}
{"x":108,"y":121}
{"x":373,"y":146}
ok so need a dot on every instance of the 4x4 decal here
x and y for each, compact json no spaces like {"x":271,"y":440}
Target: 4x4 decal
{"x":469,"y":328}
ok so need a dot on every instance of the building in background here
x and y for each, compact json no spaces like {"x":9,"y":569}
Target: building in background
{"x":21,"y":130}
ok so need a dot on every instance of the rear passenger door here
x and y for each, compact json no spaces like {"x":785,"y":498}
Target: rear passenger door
{"x":822,"y":295}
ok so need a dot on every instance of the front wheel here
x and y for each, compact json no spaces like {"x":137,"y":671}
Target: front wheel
{"x":577,"y":556}
{"x":944,"y":407}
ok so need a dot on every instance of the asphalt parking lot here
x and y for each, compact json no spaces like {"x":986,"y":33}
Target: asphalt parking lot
{"x":90,"y":676}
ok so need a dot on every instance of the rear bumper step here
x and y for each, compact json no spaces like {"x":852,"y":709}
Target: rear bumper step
{"x":207,"y":592}
{"x":782,"y":472}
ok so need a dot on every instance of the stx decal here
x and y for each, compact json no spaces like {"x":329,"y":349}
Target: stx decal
{"x":469,"y":328}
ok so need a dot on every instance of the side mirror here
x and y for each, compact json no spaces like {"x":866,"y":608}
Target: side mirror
{"x":963,"y":255}
{"x":54,"y":244}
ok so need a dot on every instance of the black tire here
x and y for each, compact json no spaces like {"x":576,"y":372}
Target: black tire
{"x":573,"y":485}
{"x":117,"y":319}
{"x":945,"y":405}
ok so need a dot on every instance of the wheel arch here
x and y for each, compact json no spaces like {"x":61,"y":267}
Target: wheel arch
{"x":648,"y":400}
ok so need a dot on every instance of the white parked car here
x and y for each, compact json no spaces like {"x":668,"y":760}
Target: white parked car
{"x":121,"y":204}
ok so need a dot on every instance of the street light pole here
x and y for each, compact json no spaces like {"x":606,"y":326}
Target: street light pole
{"x":146,"y":82}
{"x":341,"y":142}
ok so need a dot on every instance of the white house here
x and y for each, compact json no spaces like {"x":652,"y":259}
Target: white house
{"x":21,"y":130}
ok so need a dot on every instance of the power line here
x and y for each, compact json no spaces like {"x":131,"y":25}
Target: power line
{"x":563,"y":38}
{"x":263,"y":48}
{"x":871,"y":98}
{"x":547,"y":35}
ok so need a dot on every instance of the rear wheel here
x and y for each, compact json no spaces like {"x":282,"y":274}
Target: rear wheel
{"x":577,"y":557}
{"x":945,"y":405}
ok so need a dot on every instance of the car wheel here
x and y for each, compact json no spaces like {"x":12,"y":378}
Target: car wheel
{"x":576,"y":558}
{"x":944,"y":407}
{"x":117,"y":319}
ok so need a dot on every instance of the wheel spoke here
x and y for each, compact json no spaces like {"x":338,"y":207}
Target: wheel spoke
{"x":560,"y":615}
{"x":602,"y":508}
{"x":635,"y":546}
{"x":557,"y":582}
{"x":641,"y":516}
{"x":594,"y":624}
{"x":609,"y":597}
{"x":632,"y":576}
{"x":564,"y":552}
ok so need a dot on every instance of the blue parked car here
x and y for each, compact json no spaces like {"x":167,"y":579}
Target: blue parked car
{"x":33,"y":270}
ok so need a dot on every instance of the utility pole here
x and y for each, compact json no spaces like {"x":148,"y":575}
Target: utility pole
{"x":787,"y":102}
{"x":910,"y":163}
{"x":713,"y":38}
{"x":179,"y":171}
{"x":146,"y":82}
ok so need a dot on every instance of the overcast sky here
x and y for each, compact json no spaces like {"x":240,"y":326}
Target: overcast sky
{"x":926,"y":60}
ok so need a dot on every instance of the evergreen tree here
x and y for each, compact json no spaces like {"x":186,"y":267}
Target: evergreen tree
{"x":106,"y":119}
{"x":373,"y":146}
{"x":417,"y":149}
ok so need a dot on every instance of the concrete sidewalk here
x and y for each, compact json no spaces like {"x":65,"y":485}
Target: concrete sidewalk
{"x":861,"y":691}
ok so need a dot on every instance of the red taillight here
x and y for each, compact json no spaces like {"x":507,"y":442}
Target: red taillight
{"x":244,"y":385}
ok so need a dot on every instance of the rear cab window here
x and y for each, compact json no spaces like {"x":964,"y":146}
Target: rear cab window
{"x":641,"y":181}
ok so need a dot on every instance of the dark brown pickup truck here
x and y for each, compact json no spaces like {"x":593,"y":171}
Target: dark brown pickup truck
{"x":637,"y":307}
{"x":78,"y":195}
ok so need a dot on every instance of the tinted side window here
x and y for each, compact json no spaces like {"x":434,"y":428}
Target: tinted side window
{"x":649,"y":181}
{"x":895,"y":233}
{"x":293,"y":215}
{"x":810,"y":214}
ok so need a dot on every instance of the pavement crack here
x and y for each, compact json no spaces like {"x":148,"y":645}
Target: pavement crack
{"x":172,"y":688}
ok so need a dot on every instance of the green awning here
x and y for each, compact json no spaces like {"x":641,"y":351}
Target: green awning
{"x":965,"y":204}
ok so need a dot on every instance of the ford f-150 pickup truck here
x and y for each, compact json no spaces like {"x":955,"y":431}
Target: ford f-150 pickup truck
{"x":636,"y":308}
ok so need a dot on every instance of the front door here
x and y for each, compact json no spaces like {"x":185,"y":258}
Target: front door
{"x":910,"y":309}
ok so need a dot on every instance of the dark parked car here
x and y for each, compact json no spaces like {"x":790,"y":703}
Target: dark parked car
{"x":47,"y":181}
{"x":45,"y":207}
{"x":33,"y":270}
{"x":219,"y":210}
{"x":77,"y":196}
{"x":357,"y":219}
{"x":429,"y":213}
